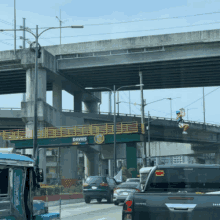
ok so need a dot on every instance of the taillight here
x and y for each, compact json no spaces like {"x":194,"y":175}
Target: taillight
{"x":129,"y":204}
{"x":85,"y":184}
{"x":103,"y":184}
{"x":137,"y":190}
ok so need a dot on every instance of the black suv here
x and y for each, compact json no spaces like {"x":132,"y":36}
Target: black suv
{"x":99,"y":187}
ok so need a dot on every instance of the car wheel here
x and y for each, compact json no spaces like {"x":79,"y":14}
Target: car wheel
{"x":99,"y":200}
{"x":110,"y":198}
{"x":87,"y":200}
{"x":116,"y":203}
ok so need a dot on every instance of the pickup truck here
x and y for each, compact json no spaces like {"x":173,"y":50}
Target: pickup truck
{"x":177,"y":192}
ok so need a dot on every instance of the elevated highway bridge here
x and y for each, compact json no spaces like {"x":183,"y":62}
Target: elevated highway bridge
{"x":179,"y":60}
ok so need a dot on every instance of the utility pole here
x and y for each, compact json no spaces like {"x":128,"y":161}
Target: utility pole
{"x":129,"y":103}
{"x":149,"y":158}
{"x":14,"y":27}
{"x":110,"y":102}
{"x":24,"y":94}
{"x":60,"y":24}
{"x":118,"y":101}
{"x":142,"y":117}
{"x":115,"y":163}
{"x":204,"y":104}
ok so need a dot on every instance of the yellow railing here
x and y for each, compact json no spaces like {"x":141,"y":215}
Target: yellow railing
{"x":84,"y":130}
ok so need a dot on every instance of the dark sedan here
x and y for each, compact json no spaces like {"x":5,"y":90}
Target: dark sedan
{"x":99,"y":187}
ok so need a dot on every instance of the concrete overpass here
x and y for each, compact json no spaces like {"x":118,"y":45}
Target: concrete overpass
{"x":166,"y":61}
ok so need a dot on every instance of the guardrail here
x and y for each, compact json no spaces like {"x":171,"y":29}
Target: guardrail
{"x":126,"y":115}
{"x":84,"y":130}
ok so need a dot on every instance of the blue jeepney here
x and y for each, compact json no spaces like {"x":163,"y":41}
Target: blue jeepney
{"x":18,"y":178}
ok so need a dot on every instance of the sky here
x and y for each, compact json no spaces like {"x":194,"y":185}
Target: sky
{"x":113,"y":19}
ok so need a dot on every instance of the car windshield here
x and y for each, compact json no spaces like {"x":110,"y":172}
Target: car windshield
{"x":188,"y":179}
{"x":4,"y":181}
{"x":95,"y":179}
{"x":128,"y":185}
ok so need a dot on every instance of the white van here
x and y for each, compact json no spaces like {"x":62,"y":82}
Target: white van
{"x":144,"y":172}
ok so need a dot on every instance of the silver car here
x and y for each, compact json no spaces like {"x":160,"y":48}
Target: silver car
{"x":123,"y":190}
{"x":136,"y":180}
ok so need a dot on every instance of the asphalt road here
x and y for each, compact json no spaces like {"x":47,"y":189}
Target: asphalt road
{"x":92,"y":211}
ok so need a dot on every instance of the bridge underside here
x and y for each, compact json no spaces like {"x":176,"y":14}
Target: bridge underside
{"x":176,"y":66}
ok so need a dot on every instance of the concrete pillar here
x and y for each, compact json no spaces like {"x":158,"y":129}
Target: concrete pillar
{"x":77,"y":102}
{"x":42,"y":86}
{"x":68,"y":163}
{"x":104,"y":167}
{"x":57,"y":96}
{"x":91,"y":107}
{"x":157,"y":160}
{"x":30,"y":85}
{"x":110,"y":167}
{"x":91,"y":163}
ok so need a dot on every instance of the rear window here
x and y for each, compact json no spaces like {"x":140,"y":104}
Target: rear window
{"x":185,"y":178}
{"x":128,"y":185}
{"x":95,"y":179}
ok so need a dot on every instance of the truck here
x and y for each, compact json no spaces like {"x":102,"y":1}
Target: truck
{"x":171,"y":192}
{"x":19,"y":177}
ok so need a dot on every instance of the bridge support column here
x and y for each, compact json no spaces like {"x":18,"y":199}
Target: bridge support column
{"x":110,"y":167}
{"x":91,"y":164}
{"x":77,"y":102}
{"x":57,"y":96}
{"x":92,"y":107}
{"x":104,"y":167}
{"x":131,"y":156}
{"x":29,"y":116}
{"x":68,"y":165}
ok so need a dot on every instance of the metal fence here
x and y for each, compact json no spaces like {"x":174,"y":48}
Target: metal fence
{"x":79,"y":130}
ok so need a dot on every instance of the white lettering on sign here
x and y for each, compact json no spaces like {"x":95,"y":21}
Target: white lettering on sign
{"x":80,"y":139}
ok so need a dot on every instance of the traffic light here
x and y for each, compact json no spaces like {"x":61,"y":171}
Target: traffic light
{"x":39,"y":53}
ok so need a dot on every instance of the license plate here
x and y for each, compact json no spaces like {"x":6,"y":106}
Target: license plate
{"x":94,"y":187}
{"x":124,"y":194}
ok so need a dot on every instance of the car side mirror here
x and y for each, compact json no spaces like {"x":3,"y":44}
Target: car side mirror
{"x":40,"y":175}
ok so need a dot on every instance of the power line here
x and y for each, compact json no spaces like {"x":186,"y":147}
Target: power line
{"x":135,"y":31}
{"x":153,"y":19}
{"x":139,"y":20}
{"x":202,"y":97}
{"x":131,"y":31}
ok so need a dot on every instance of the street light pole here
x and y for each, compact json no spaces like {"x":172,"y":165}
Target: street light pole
{"x":35,"y":95}
{"x":115,"y":172}
{"x":142,"y":117}
{"x":114,"y":90}
{"x":204,"y":103}
{"x":14,"y":27}
{"x":171,"y":108}
{"x":149,"y":138}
